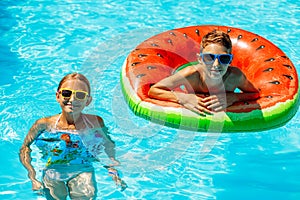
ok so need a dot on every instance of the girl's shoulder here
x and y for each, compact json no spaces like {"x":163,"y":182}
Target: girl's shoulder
{"x":96,"y":120}
{"x":46,"y":123}
{"x":40,"y":125}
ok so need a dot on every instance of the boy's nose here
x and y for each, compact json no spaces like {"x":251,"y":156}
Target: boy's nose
{"x":216,"y":62}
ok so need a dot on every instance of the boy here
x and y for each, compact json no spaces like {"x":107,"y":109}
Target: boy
{"x":211,"y":83}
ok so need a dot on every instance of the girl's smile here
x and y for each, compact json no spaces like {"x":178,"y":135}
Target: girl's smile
{"x":73,"y":96}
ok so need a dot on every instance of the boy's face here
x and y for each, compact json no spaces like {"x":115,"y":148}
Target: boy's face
{"x":214,"y":68}
{"x":73,"y":96}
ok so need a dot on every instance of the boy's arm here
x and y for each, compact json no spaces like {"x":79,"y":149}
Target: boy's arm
{"x":221,"y":101}
{"x":162,"y":90}
{"x":249,"y":91}
{"x":245,"y":85}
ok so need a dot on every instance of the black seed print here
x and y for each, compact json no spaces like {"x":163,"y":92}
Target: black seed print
{"x":158,"y":54}
{"x":142,"y":55}
{"x":268,"y":70}
{"x":171,"y":33}
{"x":151,"y":67}
{"x":261,"y":47}
{"x":288,"y":66}
{"x":140,"y":75}
{"x":288,"y":76}
{"x":270,"y":60}
{"x":275,"y":82}
{"x":135,"y":63}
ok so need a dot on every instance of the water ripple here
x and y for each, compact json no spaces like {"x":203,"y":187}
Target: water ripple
{"x":43,"y":40}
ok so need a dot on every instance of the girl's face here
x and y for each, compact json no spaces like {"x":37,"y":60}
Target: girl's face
{"x":73,"y":96}
{"x":214,"y":69}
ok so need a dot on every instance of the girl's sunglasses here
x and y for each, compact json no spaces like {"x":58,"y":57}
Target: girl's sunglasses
{"x":209,"y":58}
{"x":78,"y":94}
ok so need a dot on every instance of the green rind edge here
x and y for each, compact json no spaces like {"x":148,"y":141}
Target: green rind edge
{"x":256,"y":120}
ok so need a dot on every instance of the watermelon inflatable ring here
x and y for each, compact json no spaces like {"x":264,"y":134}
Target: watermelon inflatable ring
{"x":264,"y":64}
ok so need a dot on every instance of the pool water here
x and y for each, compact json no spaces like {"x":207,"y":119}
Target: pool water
{"x":41,"y":41}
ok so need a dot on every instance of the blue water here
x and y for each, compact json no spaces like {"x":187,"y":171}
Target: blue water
{"x":41,"y":41}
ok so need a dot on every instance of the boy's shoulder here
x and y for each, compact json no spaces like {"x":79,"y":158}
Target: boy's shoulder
{"x":235,"y":72}
{"x":190,"y":71}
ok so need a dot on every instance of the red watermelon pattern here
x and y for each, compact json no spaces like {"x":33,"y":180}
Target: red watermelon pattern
{"x":264,"y":64}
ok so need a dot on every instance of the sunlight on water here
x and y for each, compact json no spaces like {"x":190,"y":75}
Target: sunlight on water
{"x":43,"y":41}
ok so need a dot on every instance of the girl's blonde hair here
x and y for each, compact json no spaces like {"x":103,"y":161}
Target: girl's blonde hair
{"x":74,"y":76}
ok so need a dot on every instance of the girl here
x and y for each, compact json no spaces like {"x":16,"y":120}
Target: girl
{"x":70,"y":142}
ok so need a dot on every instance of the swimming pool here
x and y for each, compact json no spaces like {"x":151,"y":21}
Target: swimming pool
{"x":43,"y":40}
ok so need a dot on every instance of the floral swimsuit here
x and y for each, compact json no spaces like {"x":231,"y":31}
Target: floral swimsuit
{"x":62,"y":149}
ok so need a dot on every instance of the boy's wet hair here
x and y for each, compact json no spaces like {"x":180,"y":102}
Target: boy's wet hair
{"x":216,"y":37}
{"x":74,"y":76}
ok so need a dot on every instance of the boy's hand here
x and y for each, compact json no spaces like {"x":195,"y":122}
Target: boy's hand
{"x":194,"y":103}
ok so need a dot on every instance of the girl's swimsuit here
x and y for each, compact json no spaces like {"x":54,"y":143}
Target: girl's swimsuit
{"x":67,"y":152}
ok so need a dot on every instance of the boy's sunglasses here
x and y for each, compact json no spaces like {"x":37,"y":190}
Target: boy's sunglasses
{"x":78,"y":94}
{"x":209,"y":58}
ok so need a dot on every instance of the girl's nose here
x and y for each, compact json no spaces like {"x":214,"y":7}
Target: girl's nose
{"x":72,"y":97}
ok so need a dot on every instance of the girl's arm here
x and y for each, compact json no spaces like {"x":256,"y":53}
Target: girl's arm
{"x":109,"y":144}
{"x":25,"y":151}
{"x":109,"y":147}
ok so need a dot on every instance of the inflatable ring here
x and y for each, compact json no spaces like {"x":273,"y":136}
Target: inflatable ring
{"x":264,"y":64}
